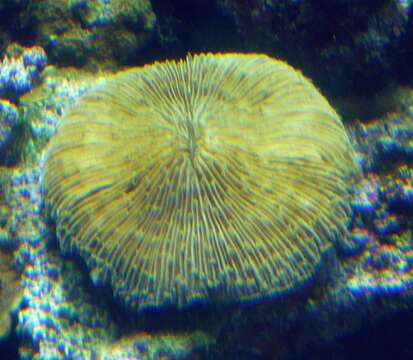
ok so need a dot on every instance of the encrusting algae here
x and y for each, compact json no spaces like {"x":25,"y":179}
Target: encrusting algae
{"x":10,"y":291}
{"x":215,"y":178}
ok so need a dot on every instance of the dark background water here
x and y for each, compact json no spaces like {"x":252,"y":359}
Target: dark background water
{"x":387,"y":339}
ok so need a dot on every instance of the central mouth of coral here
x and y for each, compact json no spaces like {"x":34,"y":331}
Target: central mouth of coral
{"x":192,"y":146}
{"x":192,"y":139}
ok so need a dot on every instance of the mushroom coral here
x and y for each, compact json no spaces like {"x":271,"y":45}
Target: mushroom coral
{"x":219,"y":177}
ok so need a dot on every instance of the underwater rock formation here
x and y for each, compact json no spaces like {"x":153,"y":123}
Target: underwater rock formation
{"x":9,"y":120}
{"x":164,"y":346}
{"x":219,"y":178}
{"x":347,"y":46}
{"x":57,"y":318}
{"x":383,"y":205}
{"x":96,"y":32}
{"x":19,"y":72}
{"x":10,"y":291}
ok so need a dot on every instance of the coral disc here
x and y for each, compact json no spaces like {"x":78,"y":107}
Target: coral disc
{"x":214,"y":178}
